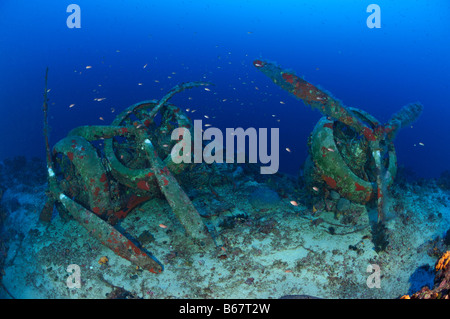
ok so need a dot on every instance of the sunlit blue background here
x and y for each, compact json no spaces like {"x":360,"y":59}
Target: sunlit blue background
{"x":327,"y":42}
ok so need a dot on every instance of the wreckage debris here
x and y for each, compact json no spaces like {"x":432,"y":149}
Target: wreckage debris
{"x":93,"y":188}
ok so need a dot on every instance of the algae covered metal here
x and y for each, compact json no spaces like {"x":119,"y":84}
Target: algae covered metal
{"x":100,"y":183}
{"x":342,"y":160}
{"x":350,"y":151}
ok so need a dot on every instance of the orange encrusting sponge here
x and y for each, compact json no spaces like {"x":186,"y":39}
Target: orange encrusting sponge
{"x":444,"y":261}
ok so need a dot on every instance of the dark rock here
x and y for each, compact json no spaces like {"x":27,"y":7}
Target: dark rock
{"x":447,"y":237}
{"x":264,"y":198}
{"x":379,"y":236}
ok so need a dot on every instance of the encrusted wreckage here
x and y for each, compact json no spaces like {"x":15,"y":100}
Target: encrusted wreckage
{"x":350,"y":151}
{"x":98,"y":186}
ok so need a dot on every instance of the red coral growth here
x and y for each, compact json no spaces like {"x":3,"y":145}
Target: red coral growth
{"x":143,"y":185}
{"x":288,"y":77}
{"x":103,"y":178}
{"x":70,"y":155}
{"x":330,"y":181}
{"x":359,"y":187}
{"x":368,"y":133}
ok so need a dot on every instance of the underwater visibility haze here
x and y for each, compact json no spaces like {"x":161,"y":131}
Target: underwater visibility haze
{"x":224,"y":149}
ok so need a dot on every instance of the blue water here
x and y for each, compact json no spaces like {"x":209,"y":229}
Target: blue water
{"x":327,"y":42}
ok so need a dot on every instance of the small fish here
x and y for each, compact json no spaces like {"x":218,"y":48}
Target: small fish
{"x":315,"y":188}
{"x":187,"y":110}
{"x":258,"y":65}
{"x":89,"y":67}
{"x":330,"y":149}
{"x":156,"y":81}
{"x":206,"y":116}
{"x":206,"y":89}
{"x":293,"y":203}
{"x":421,"y":144}
{"x":206,"y":125}
{"x":71,"y":105}
{"x":281,"y":102}
{"x":139,"y":83}
{"x":101,"y":118}
{"x":314,"y":209}
{"x":162,"y":226}
{"x":145,"y":66}
{"x":288,"y":149}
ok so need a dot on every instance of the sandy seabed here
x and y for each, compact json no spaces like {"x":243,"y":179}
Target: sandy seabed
{"x":262,"y":253}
